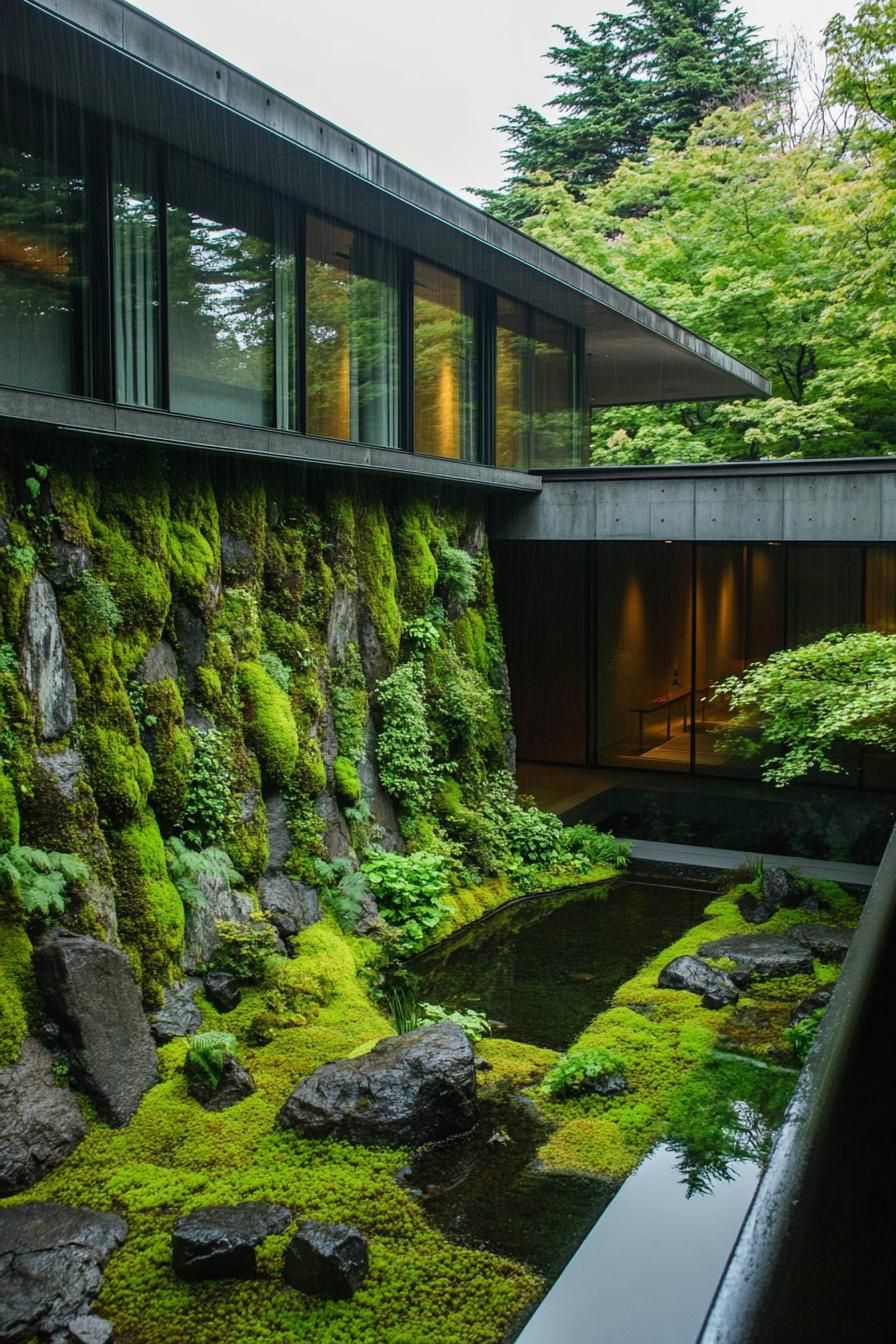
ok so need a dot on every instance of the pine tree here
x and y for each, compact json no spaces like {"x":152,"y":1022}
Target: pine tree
{"x":658,"y":69}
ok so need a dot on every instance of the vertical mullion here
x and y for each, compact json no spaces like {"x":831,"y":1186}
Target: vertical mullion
{"x":406,"y":353}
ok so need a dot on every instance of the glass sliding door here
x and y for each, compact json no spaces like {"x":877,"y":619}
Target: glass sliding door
{"x":556,"y":417}
{"x":513,"y":379}
{"x":222,"y":268}
{"x":43,"y":285}
{"x":135,"y":273}
{"x":446,"y":367}
{"x":352,"y":326}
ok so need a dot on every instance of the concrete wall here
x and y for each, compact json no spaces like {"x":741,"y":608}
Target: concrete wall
{"x":766,"y":501}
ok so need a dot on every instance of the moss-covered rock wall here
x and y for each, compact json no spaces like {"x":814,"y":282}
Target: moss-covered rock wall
{"x":233,"y":654}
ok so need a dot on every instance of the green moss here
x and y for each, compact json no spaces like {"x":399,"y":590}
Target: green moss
{"x":120,"y":770}
{"x":270,"y":726}
{"x":240,"y":621}
{"x":377,"y":575}
{"x":171,"y":752}
{"x":514,"y":1062}
{"x":194,"y":540}
{"x":9,"y":811}
{"x":346,"y":781}
{"x":340,"y":519}
{"x":415,"y":530}
{"x":17,"y":989}
{"x":349,"y":700}
{"x":247,"y":843}
{"x":150,"y":911}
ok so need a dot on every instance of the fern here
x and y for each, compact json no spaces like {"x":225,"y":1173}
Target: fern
{"x":187,"y":865}
{"x":343,"y":890}
{"x":207,"y":1054}
{"x":41,"y":877}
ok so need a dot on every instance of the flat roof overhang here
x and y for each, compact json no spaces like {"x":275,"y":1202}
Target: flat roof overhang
{"x":119,"y":62}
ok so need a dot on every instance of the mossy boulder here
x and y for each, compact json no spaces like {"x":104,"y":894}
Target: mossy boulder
{"x":270,"y":726}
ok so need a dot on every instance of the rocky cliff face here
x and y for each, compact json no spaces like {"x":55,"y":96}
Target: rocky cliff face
{"x":194,"y":648}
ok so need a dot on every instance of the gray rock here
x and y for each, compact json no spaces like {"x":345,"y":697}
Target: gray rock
{"x":374,"y":660}
{"x":235,"y":1085}
{"x":413,"y":1088}
{"x":382,"y":809}
{"x":65,"y":768}
{"x":291,"y":906}
{"x":368,"y":920}
{"x":223,"y":990}
{"x":196,"y":719}
{"x":87,"y":1330}
{"x":761,"y":954}
{"x":44,"y":664}
{"x":160,"y":664}
{"x":219,"y":902}
{"x":279,"y":837}
{"x":51,"y":1263}
{"x":70,"y":561}
{"x":238,"y":561}
{"x":337,"y":837}
{"x":189,"y":628}
{"x":826,"y":941}
{"x":219,"y":1241}
{"x":326,"y":1259}
{"x":178,"y":1015}
{"x":90,"y":991}
{"x":715,"y":987}
{"x":248,"y":803}
{"x":342,"y":628}
{"x":779,"y":888}
{"x":40,"y":1123}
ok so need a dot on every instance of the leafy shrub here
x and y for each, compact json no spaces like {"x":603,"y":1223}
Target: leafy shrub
{"x":458,"y":574}
{"x":580,"y":1070}
{"x":342,"y":889}
{"x":8,"y":660}
{"x":186,"y":866}
{"x":210,"y":810}
{"x":206,"y":1055}
{"x":348,"y":697}
{"x":245,"y":949}
{"x":474,"y":1024}
{"x":462,"y":701}
{"x":276,"y":669}
{"x":534,"y":837}
{"x":21,"y":558}
{"x":97,"y":609}
{"x":801,"y":1035}
{"x":422,"y":635}
{"x":41,"y":877}
{"x":403,"y":748}
{"x":410,"y":890}
{"x":595,"y":846}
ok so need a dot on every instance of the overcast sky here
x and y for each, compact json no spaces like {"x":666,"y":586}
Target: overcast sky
{"x":428,"y":84}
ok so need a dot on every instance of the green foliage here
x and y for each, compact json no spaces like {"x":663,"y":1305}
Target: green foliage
{"x":800,"y":704}
{"x":404,"y":754}
{"x":534,"y":837}
{"x":149,"y":907}
{"x":269,"y":725}
{"x":276,"y":669}
{"x":800,"y":1036}
{"x":187,"y":865}
{"x":422,"y":634}
{"x":348,"y":697}
{"x":342,"y":888}
{"x":41,"y":878}
{"x":21,"y":558}
{"x":346,"y":781}
{"x":377,"y":574}
{"x":96,"y":606}
{"x":245,"y":949}
{"x":206,"y":1055}
{"x":474,"y":1024}
{"x":654,"y":70}
{"x":210,"y":810}
{"x":18,"y":993}
{"x":458,"y":575}
{"x":410,"y":890}
{"x":595,"y":846}
{"x":579,"y":1071}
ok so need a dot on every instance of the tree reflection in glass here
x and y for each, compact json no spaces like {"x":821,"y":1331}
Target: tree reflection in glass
{"x":445,"y":364}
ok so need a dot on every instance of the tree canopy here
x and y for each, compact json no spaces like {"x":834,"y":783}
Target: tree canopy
{"x":654,"y":70}
{"x":799,"y":706}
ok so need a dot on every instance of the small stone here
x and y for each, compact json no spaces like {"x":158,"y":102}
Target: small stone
{"x":89,"y":1330}
{"x":715,"y":986}
{"x":222,"y":989}
{"x":825,"y":941}
{"x":236,"y":1083}
{"x":178,"y":1015}
{"x":326,"y":1260}
{"x":219,"y":1241}
{"x":40,"y":1123}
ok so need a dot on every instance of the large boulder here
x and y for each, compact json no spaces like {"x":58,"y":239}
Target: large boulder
{"x":826,"y":941}
{"x":290,"y":905}
{"x":219,"y":902}
{"x":219,"y":1241}
{"x":326,"y":1259}
{"x":40,"y":1123}
{"x":90,"y":991}
{"x":44,"y":663}
{"x":764,"y":955}
{"x":715,"y":987}
{"x":178,"y":1015}
{"x":51,"y":1263}
{"x":413,"y":1088}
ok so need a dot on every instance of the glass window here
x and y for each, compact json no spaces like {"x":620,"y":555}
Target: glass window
{"x":352,"y":324}
{"x":222,"y":279}
{"x":556,"y":421}
{"x":135,"y":263}
{"x":446,"y":418}
{"x":43,"y":289}
{"x":513,"y":368}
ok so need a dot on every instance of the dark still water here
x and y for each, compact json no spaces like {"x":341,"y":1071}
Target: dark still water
{"x":545,"y":968}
